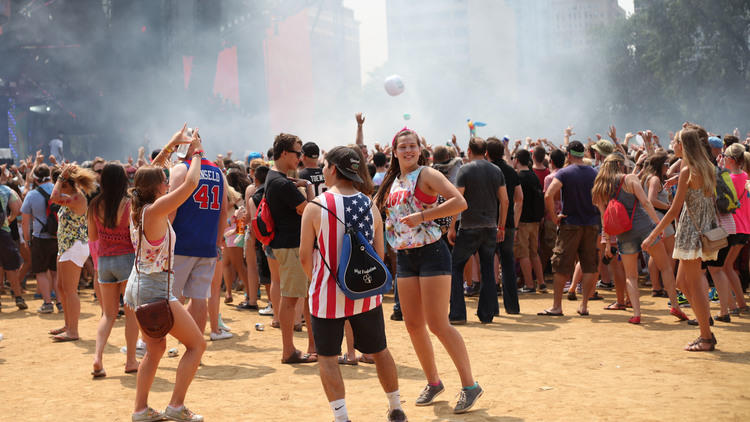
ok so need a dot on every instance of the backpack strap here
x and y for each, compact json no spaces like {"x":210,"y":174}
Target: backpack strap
{"x":635,"y":199}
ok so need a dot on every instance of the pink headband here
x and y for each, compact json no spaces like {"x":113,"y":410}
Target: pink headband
{"x":405,"y":129}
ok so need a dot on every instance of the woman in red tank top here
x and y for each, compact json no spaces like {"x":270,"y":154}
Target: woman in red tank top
{"x":108,"y":223}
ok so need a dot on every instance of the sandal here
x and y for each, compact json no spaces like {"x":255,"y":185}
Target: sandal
{"x":697,"y":344}
{"x":98,"y":373}
{"x":572,"y":295}
{"x":60,"y":338}
{"x":298,"y":327}
{"x":344,"y":360}
{"x":228,"y":300}
{"x":57,"y":331}
{"x":596,"y":296}
{"x":299,"y":357}
{"x":679,"y":314}
{"x":614,"y":306}
{"x":366,"y":359}
{"x":275,"y":324}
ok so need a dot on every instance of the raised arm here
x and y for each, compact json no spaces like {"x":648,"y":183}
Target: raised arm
{"x":172,"y":200}
{"x":360,"y":140}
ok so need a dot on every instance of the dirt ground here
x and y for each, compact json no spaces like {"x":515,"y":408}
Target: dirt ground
{"x":532,"y":368}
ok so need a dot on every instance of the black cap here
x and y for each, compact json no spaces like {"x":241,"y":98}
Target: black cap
{"x":347,"y":162}
{"x":310,"y":149}
{"x":576,"y":149}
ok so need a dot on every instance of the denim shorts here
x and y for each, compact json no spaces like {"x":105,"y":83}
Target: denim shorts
{"x":114,"y":269}
{"x":426,"y":261}
{"x":153,"y":287}
{"x":630,"y":242}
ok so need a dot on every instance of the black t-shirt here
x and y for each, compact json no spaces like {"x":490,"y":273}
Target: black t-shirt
{"x":283,"y":198}
{"x":511,"y":181}
{"x":533,"y":199}
{"x":258,"y":195}
{"x":315,"y":176}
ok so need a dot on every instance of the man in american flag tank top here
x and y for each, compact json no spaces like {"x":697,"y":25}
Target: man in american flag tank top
{"x":329,"y":307}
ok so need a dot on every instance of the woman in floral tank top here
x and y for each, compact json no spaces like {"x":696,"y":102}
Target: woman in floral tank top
{"x":408,"y":195}
{"x":69,"y":192}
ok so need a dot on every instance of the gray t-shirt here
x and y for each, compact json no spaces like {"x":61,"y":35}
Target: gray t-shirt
{"x":481,"y":180}
{"x":36,"y":205}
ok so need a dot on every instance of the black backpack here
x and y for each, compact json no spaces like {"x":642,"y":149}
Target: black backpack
{"x":536,"y":199}
{"x":50,"y":227}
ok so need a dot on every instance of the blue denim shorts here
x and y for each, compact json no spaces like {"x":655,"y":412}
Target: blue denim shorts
{"x":114,"y":269}
{"x":153,"y":287}
{"x":426,"y":261}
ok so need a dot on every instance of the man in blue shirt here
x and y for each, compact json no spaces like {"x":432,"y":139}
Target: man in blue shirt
{"x":43,"y":244}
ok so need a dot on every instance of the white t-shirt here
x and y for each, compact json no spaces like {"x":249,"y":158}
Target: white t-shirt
{"x":56,"y":149}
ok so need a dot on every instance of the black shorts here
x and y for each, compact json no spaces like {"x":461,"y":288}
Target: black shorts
{"x":368,"y":328}
{"x":261,"y":261}
{"x":426,"y":261}
{"x":10,"y":259}
{"x":43,"y":255}
{"x":733,"y":239}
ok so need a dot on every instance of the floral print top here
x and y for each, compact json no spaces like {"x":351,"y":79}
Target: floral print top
{"x":152,"y":257}
{"x":404,"y":199}
{"x":70,"y":227}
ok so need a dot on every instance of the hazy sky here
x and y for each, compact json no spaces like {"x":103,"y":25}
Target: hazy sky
{"x":373,"y":39}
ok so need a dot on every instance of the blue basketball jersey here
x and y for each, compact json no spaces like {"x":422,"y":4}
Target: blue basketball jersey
{"x":197,"y":221}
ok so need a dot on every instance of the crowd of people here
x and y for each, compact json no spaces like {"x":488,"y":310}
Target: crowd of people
{"x":489,"y":221}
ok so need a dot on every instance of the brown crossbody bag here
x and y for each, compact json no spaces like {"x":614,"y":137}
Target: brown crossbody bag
{"x":155,"y":318}
{"x":714,"y":239}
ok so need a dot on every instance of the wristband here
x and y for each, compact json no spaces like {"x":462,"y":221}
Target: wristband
{"x":198,"y":152}
{"x":422,"y":212}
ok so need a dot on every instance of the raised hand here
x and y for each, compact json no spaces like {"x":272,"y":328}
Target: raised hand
{"x":360,"y":118}
{"x":612,"y":133}
{"x":569,"y":131}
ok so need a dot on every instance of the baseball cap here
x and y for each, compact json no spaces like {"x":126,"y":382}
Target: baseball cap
{"x":346,"y":161}
{"x":310,"y":149}
{"x":715,"y":142}
{"x":604,"y":147}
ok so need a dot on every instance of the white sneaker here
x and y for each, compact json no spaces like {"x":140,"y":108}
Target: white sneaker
{"x":268,"y":310}
{"x":221,"y":335}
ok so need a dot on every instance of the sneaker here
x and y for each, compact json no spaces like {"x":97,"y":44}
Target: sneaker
{"x":427,"y":396}
{"x":525,"y":289}
{"x":542,"y":288}
{"x":397,"y":315}
{"x":173,"y":352}
{"x":148,"y":415}
{"x":471,"y":290}
{"x":140,"y":350}
{"x":578,"y":289}
{"x":713,"y":295}
{"x":467,"y":398}
{"x":221,"y":335}
{"x":59,"y":307}
{"x":37,"y":296}
{"x":268,"y":310}
{"x":182,"y":414}
{"x":396,"y":415}
{"x":682,"y":300}
{"x":46,"y":308}
{"x":606,"y":286}
{"x":567,"y":287}
{"x":21,"y":303}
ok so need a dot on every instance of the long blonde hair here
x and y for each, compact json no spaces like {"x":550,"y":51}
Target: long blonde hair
{"x":83,"y":179}
{"x":696,"y":158}
{"x":608,"y":179}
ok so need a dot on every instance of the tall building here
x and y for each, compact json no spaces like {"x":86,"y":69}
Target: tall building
{"x":549,"y":28}
{"x":312,"y":60}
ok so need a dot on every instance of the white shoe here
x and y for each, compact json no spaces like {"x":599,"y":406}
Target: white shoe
{"x":268,"y":310}
{"x":173,"y":352}
{"x":221,"y":335}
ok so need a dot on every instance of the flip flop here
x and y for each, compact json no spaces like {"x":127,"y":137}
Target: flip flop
{"x":98,"y":373}
{"x":614,"y":306}
{"x":275,"y":324}
{"x":365,"y":359}
{"x":298,"y":357}
{"x":132,"y":371}
{"x":583,"y":313}
{"x":344,"y":360}
{"x":60,"y":338}
{"x":57,"y":331}
{"x":548,"y":313}
{"x":596,"y":296}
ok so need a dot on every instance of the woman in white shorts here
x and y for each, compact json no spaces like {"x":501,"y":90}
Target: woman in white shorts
{"x":70,"y":191}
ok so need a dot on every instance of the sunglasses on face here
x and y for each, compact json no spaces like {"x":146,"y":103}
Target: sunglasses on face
{"x":297,"y":153}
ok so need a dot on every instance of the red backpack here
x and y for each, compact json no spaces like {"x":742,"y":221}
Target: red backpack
{"x":262,"y":223}
{"x":615,"y":218}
